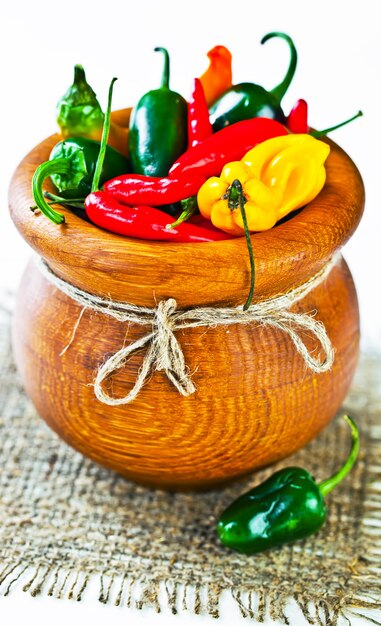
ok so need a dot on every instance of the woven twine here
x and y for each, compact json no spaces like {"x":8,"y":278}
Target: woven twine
{"x":71,"y":529}
{"x":164,"y":352}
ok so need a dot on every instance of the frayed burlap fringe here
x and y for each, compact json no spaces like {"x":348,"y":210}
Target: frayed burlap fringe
{"x":257,"y":604}
{"x":70,"y":529}
{"x":164,"y":352}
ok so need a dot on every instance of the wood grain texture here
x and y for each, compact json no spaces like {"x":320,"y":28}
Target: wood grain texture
{"x":256,"y":402}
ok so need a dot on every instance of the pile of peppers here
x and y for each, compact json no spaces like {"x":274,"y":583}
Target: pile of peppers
{"x":153,"y":170}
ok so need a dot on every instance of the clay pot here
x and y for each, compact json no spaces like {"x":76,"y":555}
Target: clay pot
{"x":256,"y":401}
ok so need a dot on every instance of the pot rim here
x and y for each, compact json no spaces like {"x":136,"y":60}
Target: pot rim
{"x":144,"y":272}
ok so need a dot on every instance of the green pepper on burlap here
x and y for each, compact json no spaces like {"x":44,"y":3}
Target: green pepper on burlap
{"x":287,"y":506}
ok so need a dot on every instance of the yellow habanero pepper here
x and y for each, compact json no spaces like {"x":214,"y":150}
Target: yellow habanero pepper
{"x":278,"y":176}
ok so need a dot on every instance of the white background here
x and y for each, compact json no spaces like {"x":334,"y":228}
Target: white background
{"x":339,"y":72}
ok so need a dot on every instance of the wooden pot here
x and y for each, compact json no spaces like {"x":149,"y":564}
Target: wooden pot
{"x":256,"y":401}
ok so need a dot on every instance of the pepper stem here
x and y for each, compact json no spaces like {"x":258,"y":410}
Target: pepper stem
{"x":322,"y":133}
{"x":189,"y":207}
{"x":61,"y":199}
{"x":103,"y":148}
{"x":79,"y":74}
{"x":279,"y":91}
{"x":79,"y":94}
{"x":56,"y":166}
{"x":77,"y":203}
{"x":165,"y":75}
{"x":330,"y":483}
{"x":237,"y":199}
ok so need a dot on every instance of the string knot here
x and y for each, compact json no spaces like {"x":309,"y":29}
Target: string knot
{"x":163,"y":318}
{"x":167,"y":354}
{"x":164,"y":339}
{"x":164,"y":354}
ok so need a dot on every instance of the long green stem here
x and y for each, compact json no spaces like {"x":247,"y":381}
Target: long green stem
{"x":68,"y":203}
{"x":61,"y":199}
{"x":322,"y":133}
{"x":77,"y":203}
{"x":105,"y":132}
{"x":330,"y":483}
{"x":165,"y":75}
{"x":237,"y":199}
{"x":279,"y":91}
{"x":56,"y":166}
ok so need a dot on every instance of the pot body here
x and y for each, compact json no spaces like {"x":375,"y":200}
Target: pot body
{"x":256,"y":401}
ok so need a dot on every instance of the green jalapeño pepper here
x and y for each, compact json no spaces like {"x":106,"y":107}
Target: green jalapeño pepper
{"x":71,"y":167}
{"x":287,"y":506}
{"x":247,"y":100}
{"x":158,"y":128}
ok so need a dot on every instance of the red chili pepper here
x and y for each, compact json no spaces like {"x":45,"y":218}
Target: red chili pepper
{"x":134,"y":189}
{"x":199,"y":126}
{"x":145,"y":222}
{"x":297,"y":121}
{"x":228,"y":144}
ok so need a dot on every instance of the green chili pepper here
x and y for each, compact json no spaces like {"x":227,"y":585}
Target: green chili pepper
{"x":71,"y":167}
{"x":79,"y":113}
{"x":247,"y":100}
{"x":287,"y":506}
{"x":158,"y":128}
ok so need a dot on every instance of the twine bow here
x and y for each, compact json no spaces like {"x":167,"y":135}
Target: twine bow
{"x":164,"y":352}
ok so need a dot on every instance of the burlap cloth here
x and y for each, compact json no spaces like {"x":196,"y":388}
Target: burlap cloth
{"x":64,"y":521}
